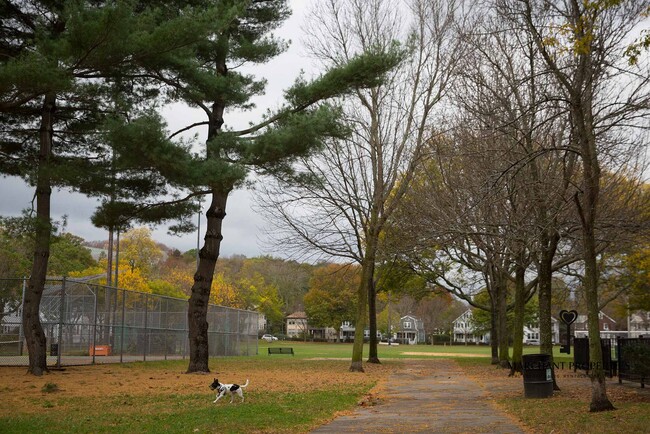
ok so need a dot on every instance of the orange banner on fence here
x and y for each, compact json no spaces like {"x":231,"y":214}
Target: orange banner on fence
{"x":100,"y":350}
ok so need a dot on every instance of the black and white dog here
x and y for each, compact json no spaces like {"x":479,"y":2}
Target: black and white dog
{"x":233,"y":389}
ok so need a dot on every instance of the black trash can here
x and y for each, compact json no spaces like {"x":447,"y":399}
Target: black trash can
{"x":54,"y":349}
{"x":538,"y":376}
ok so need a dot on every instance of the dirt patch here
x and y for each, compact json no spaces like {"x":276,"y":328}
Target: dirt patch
{"x":413,"y":353}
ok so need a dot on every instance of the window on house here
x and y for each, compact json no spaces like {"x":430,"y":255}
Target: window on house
{"x":605,"y":326}
{"x":407,"y":324}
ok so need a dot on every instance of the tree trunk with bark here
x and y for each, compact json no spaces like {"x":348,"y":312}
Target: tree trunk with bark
{"x":494,"y":331}
{"x":579,"y":79}
{"x":209,"y":253}
{"x":363,"y":294}
{"x":360,"y":324}
{"x":200,"y":298}
{"x":502,"y":321}
{"x":587,"y":206}
{"x":34,"y":334}
{"x":518,"y":323}
{"x":544,"y":291}
{"x":373,"y":356}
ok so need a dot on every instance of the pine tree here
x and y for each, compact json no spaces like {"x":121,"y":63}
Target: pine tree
{"x":64,"y":67}
{"x":207,"y":81}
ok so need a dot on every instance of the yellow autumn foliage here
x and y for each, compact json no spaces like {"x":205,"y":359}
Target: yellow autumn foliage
{"x":224,"y":293}
{"x":133,"y":280}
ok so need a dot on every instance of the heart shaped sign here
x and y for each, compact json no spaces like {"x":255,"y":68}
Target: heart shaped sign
{"x":568,"y":317}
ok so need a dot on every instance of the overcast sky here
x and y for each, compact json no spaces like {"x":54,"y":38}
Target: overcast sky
{"x":243,"y":228}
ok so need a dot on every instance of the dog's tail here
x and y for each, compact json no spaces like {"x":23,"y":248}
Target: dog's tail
{"x":244,"y":385}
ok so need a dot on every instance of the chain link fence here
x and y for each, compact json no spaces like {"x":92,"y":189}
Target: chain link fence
{"x":86,"y":323}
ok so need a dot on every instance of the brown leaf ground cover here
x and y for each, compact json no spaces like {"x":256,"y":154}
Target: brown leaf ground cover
{"x":100,"y":386}
{"x":567,"y":411}
{"x":575,"y":385}
{"x":101,"y":383}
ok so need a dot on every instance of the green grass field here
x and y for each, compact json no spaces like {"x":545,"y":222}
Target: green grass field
{"x":344,"y":351}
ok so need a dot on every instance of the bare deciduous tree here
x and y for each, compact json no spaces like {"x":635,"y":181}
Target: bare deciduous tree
{"x":341,"y":205}
{"x":582,"y":44}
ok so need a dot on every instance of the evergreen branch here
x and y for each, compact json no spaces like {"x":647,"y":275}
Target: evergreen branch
{"x":273,"y":119}
{"x":189,"y":127}
{"x":139,"y":210}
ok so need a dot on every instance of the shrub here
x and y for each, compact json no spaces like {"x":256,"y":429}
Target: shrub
{"x":637,"y":358}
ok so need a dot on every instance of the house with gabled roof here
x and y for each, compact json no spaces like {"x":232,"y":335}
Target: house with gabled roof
{"x":464,"y":330}
{"x":411,"y":330}
{"x":639,"y":324}
{"x":297,"y":324}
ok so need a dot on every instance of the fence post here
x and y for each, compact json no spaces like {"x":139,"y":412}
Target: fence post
{"x":60,"y":333}
{"x":618,"y":358}
{"x":166,"y":324}
{"x":94,"y":341}
{"x":21,"y":331}
{"x":146,"y":325}
{"x":123,"y":324}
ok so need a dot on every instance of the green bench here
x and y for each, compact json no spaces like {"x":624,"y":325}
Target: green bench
{"x":281,"y":350}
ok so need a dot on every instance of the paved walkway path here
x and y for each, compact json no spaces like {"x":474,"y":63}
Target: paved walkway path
{"x":427,"y":396}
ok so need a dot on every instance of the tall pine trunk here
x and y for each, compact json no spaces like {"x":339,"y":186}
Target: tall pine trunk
{"x":200,"y":298}
{"x":34,"y":334}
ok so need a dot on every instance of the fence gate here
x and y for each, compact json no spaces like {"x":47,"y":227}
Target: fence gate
{"x":581,"y":355}
{"x":634,"y":360}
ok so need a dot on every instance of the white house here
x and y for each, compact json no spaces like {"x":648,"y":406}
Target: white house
{"x":463,"y":327}
{"x":464,"y":331}
{"x":639,"y":324}
{"x":346,"y":333}
{"x":11,"y":322}
{"x":531,"y":332}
